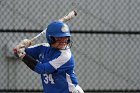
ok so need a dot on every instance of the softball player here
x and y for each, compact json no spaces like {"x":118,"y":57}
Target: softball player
{"x":53,"y":61}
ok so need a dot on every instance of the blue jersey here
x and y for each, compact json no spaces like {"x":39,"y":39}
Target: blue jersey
{"x":56,"y":68}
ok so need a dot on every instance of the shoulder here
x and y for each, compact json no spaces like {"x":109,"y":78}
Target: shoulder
{"x":40,"y":45}
{"x":65,"y":53}
{"x":62,"y":59}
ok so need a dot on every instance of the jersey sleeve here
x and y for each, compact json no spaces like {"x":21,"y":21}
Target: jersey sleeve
{"x":44,"y":68}
{"x":37,"y":66}
{"x":33,"y":51}
{"x":55,"y":64}
{"x":63,"y":59}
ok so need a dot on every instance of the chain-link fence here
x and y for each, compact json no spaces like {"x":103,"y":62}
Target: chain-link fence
{"x":104,"y":15}
{"x":107,"y":59}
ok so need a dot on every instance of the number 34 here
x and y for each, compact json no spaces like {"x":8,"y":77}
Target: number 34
{"x":48,"y":78}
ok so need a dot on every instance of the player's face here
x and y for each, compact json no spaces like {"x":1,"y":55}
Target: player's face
{"x":60,"y":42}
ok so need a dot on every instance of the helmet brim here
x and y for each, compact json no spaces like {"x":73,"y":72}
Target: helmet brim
{"x":62,"y":35}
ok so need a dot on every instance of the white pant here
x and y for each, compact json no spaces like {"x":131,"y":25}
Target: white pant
{"x":78,"y":89}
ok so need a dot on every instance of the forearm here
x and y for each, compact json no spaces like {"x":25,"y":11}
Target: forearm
{"x":30,"y":62}
{"x":36,"y":66}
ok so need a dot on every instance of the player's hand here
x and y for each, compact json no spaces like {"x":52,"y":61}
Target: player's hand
{"x":24,"y":44}
{"x":19,"y":52}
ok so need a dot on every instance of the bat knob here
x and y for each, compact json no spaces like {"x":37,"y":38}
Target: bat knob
{"x":75,"y":13}
{"x":15,"y":50}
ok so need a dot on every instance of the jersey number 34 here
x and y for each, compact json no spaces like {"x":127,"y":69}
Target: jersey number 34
{"x":48,"y":78}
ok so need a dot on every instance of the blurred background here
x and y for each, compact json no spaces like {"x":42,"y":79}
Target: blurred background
{"x":106,"y":42}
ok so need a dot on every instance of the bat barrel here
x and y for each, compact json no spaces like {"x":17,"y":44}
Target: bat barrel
{"x":63,"y":19}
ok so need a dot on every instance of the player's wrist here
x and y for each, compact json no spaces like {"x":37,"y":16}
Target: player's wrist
{"x":22,"y":55}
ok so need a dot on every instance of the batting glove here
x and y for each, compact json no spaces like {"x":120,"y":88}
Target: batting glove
{"x":19,"y":52}
{"x":24,"y":44}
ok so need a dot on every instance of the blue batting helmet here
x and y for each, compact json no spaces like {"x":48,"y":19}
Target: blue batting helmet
{"x":57,"y":29}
